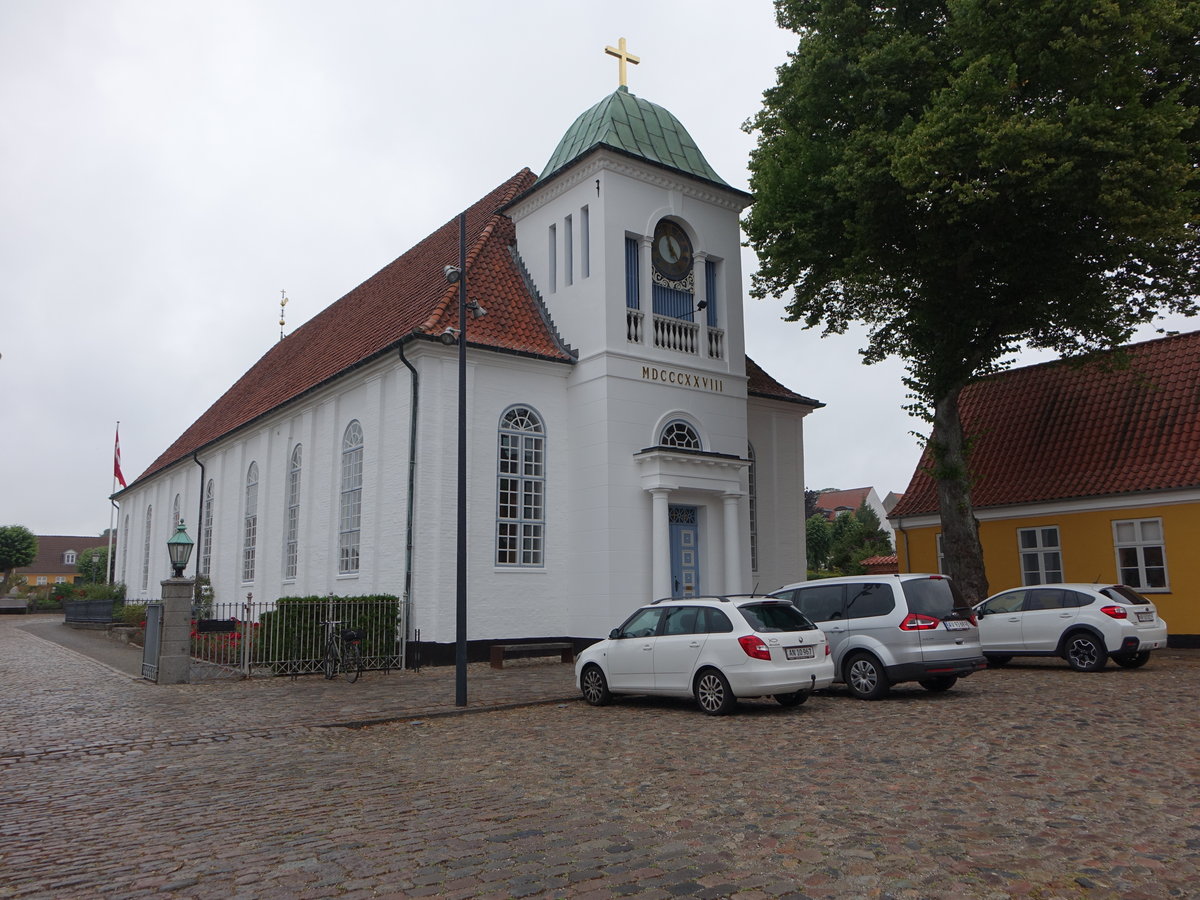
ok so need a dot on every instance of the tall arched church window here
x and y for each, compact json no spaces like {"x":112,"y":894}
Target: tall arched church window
{"x":250,"y":524}
{"x":752,"y":476}
{"x":146,"y":548}
{"x":291,"y":533}
{"x":206,"y":530}
{"x":175,"y":513}
{"x":679,"y":433}
{"x":350,"y":515}
{"x":521,"y":489}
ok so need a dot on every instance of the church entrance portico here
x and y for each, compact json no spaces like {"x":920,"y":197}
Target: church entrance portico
{"x":695,"y":512}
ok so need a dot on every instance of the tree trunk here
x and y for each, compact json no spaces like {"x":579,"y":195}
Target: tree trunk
{"x":960,"y":530}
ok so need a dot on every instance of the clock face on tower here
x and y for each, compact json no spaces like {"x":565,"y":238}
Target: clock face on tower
{"x":671,"y":252}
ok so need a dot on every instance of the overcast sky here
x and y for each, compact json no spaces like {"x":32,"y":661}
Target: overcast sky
{"x":168,"y":167}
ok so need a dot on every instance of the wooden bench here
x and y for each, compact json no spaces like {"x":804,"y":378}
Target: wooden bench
{"x":500,"y":651}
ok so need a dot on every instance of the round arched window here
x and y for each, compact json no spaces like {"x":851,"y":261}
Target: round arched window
{"x":680,"y":434}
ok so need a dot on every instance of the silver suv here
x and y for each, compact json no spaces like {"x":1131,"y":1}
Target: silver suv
{"x":884,"y":629}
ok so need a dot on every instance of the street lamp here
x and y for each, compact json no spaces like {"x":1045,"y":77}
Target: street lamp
{"x":458,"y":275}
{"x":179,"y":547}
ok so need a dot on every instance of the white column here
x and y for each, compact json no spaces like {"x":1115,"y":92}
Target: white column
{"x":645,"y":291}
{"x":660,"y":543}
{"x":733,"y":545}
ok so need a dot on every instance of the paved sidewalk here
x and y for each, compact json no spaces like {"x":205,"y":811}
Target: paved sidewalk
{"x":309,"y":700}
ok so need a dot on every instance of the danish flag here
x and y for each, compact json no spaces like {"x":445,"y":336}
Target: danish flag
{"x":117,"y":459}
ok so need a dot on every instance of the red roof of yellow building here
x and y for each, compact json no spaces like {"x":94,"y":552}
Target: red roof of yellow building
{"x":1071,"y":429}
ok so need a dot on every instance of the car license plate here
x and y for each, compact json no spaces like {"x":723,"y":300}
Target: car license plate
{"x":957,"y":624}
{"x":798,"y":652}
{"x":1145,"y":617}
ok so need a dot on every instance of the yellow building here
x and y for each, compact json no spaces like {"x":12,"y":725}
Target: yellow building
{"x":1086,"y":473}
{"x":57,"y":558}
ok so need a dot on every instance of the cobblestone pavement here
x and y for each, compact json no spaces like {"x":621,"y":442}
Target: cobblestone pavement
{"x":1032,"y":781}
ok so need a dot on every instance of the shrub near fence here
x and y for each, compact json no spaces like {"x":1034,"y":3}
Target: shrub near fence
{"x":291,"y":637}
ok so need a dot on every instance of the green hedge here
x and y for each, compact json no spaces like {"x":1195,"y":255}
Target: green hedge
{"x":293,"y":630}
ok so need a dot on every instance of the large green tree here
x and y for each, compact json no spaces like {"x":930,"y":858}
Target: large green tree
{"x":18,"y":548}
{"x":968,"y":177}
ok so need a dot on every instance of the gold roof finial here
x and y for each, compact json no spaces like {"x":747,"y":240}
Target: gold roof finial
{"x":623,"y":56}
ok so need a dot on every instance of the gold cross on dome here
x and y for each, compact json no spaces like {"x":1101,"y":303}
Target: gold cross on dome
{"x":623,"y":56}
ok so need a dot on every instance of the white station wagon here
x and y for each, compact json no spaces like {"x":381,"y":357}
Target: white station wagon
{"x":715,"y":649}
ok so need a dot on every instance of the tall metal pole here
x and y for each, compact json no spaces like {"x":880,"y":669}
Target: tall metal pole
{"x":460,"y":649}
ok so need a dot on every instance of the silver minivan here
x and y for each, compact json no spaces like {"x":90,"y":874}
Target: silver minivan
{"x":884,"y":629}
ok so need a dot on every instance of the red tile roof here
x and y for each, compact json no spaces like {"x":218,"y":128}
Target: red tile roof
{"x":832,"y":501}
{"x":1066,"y":429}
{"x":763,"y":385}
{"x":52,"y":547}
{"x":409,"y":296}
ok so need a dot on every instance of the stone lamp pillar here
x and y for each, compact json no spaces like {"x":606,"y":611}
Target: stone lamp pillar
{"x":175,"y":647}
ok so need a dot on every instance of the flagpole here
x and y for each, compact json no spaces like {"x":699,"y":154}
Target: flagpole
{"x":113,"y":511}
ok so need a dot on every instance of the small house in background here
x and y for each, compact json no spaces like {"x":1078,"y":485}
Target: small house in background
{"x":833,"y":503}
{"x":1082,"y":471}
{"x":57,"y":557}
{"x":882,"y":565}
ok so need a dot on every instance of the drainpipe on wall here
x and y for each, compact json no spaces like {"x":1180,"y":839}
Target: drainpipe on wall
{"x":199,"y":513}
{"x":412,"y":481}
{"x":901,"y":530}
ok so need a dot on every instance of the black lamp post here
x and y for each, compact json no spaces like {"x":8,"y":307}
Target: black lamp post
{"x":459,"y":274}
{"x":179,"y":547}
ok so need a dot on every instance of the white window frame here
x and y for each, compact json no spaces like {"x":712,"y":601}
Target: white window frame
{"x":1045,"y":574}
{"x":206,"y":529}
{"x":521,"y":489}
{"x":941,"y":554}
{"x":350,"y":505}
{"x":126,"y":536}
{"x":250,"y":525}
{"x":146,"y":548}
{"x":291,"y":519}
{"x":682,"y":434}
{"x":1139,"y":543}
{"x":69,"y":558}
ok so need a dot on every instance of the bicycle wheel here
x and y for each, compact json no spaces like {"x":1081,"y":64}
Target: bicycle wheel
{"x":352,"y":662}
{"x":332,"y":659}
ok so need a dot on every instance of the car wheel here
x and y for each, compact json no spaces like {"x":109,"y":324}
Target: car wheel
{"x":998,"y":659}
{"x":865,"y":677}
{"x":793,"y":699}
{"x":1085,"y":653}
{"x":713,"y":693}
{"x":939,"y":683}
{"x":1132,"y":660}
{"x":595,"y":686}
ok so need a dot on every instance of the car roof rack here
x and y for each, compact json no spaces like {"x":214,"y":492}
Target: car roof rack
{"x":718,"y":597}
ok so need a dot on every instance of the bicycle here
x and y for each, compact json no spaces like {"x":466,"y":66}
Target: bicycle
{"x":342,"y":651}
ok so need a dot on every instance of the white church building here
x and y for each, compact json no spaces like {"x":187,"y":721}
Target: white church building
{"x":620,"y":444}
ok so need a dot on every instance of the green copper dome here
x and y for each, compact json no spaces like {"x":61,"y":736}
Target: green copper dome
{"x":638,"y":127}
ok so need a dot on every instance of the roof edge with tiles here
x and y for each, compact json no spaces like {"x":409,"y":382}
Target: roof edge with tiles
{"x":407,"y":299}
{"x":1110,"y":424}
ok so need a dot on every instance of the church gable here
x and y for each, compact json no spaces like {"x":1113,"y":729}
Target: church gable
{"x":407,"y":297}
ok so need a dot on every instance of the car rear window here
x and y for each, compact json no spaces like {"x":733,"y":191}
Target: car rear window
{"x":768,"y":617}
{"x":937,"y":597}
{"x":1125,"y":595}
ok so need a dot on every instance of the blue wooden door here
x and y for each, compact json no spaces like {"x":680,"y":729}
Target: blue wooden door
{"x":685,"y":551}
